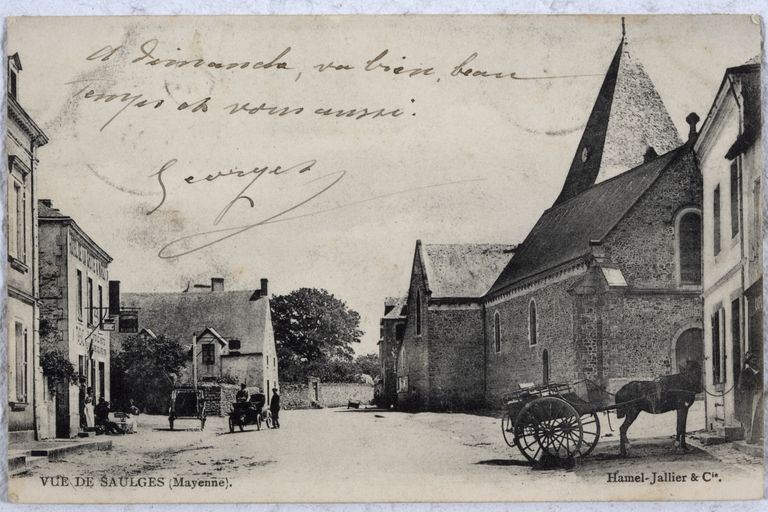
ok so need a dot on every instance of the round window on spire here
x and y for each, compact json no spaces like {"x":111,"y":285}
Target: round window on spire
{"x":585,"y":154}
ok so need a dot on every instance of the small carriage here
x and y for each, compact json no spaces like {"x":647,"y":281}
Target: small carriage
{"x":187,"y":403}
{"x":251,"y":412}
{"x":559,"y":420}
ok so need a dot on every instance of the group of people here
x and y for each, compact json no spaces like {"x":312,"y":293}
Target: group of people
{"x":96,"y":417}
{"x":274,"y":403}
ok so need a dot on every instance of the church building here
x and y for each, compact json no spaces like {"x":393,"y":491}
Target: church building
{"x":605,"y":286}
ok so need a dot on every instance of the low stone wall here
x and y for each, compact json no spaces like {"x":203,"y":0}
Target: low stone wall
{"x":330,"y":394}
{"x":338,"y":394}
{"x":218,"y":398}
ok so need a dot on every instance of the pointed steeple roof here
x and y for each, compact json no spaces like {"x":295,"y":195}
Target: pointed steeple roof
{"x":628,"y":117}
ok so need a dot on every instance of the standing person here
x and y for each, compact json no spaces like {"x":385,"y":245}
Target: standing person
{"x":90,"y":420}
{"x":274,"y":408}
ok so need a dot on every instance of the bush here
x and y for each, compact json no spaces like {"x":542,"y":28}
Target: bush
{"x":57,"y":367}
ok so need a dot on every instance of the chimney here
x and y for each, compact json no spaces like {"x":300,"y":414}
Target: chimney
{"x":692,"y":119}
{"x":47,"y":202}
{"x":217,"y":284}
{"x":264,"y":287}
{"x":649,"y":155}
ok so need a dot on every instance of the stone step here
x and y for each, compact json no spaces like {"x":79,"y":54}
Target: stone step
{"x":56,"y":449}
{"x":730,"y":432}
{"x":710,"y":438}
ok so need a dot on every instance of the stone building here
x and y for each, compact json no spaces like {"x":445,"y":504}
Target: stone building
{"x":392,"y":330}
{"x":605,"y":286}
{"x":440,"y":360}
{"x":26,"y":389}
{"x":233,"y":330}
{"x":731,"y":162}
{"x":74,"y":285}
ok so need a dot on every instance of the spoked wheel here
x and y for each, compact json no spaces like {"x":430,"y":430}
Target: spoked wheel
{"x":268,"y":421}
{"x":548,"y":425}
{"x":590,"y":424}
{"x":508,"y":430}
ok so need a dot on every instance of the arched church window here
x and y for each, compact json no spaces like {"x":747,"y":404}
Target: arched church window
{"x":418,"y":312}
{"x":533,"y":325}
{"x":497,"y":332}
{"x":689,"y":247}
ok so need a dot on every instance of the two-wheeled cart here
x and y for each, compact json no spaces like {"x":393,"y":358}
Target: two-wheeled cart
{"x":559,"y":420}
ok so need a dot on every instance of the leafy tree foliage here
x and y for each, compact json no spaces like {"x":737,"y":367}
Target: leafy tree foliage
{"x":368,"y":364}
{"x":315,"y":333}
{"x":145,"y":370}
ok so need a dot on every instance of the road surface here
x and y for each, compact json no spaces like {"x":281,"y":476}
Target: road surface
{"x":372,"y":455}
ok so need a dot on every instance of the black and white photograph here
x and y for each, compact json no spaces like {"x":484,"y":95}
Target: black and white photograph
{"x":416,"y":258}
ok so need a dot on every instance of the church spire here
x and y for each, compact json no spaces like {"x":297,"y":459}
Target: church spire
{"x":627,"y":118}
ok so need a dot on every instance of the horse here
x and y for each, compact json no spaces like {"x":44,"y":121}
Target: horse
{"x":675,"y":392}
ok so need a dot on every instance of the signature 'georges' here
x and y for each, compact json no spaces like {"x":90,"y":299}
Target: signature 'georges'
{"x":195,"y":242}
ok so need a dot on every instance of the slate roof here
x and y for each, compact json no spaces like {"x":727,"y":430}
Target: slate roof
{"x":398,"y":308}
{"x":564,"y":231}
{"x":231,"y":313}
{"x":463,"y":270}
{"x":628,"y":116}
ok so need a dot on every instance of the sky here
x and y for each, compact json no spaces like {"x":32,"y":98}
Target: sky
{"x":463,"y":160}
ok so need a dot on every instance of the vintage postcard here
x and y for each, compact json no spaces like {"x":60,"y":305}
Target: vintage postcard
{"x":384,"y":258}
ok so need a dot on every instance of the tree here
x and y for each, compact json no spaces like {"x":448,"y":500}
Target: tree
{"x":368,"y":364}
{"x":146,"y":369}
{"x":314,"y":333}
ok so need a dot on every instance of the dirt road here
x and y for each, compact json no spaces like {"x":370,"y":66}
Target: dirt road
{"x":352,"y":455}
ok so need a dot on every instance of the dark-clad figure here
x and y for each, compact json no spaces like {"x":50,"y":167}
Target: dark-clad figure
{"x":242,"y":395}
{"x":102,"y":418}
{"x":274,"y":408}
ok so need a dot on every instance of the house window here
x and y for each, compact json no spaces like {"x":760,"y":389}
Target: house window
{"x":235,"y":345}
{"x":19,"y":238}
{"x":208,"y":354}
{"x":12,"y":84}
{"x":736,"y":338}
{"x":533,"y":325}
{"x":689,"y":247}
{"x":755,"y":238}
{"x":735,"y":198}
{"x":716,"y":216}
{"x":21,"y":361}
{"x":79,"y":295}
{"x":101,"y":305}
{"x":497,"y":332}
{"x":418,"y":312}
{"x":718,"y":354}
{"x":90,"y":301}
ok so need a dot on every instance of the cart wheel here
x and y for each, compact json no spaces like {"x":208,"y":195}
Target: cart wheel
{"x":508,"y":430}
{"x":170,"y":422}
{"x":590,"y":424}
{"x":231,"y":425}
{"x":268,"y":421}
{"x":550,"y":425}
